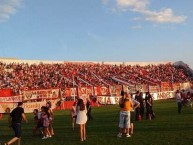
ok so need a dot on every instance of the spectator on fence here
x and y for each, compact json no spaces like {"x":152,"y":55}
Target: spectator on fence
{"x":81,"y":118}
{"x":179,"y":101}
{"x":15,"y":119}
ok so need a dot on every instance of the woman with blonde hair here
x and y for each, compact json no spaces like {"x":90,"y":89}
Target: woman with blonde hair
{"x":124,"y":119}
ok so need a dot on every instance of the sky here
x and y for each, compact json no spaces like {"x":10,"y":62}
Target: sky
{"x":97,"y":30}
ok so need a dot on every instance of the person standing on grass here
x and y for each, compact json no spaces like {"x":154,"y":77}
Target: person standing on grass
{"x":179,"y":101}
{"x":137,"y":111}
{"x":15,"y":119}
{"x":149,"y":104}
{"x":45,"y":116}
{"x":124,"y":119}
{"x":135,"y":105}
{"x":88,"y":107}
{"x":81,"y":118}
{"x":73,"y":113}
{"x":141,"y":101}
{"x":50,"y":111}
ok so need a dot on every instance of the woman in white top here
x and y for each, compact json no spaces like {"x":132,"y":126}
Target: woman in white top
{"x":81,"y":118}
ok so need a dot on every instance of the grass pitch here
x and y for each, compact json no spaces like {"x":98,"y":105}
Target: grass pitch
{"x":169,"y":128}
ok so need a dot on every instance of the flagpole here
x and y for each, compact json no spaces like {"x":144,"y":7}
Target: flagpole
{"x":73,"y":87}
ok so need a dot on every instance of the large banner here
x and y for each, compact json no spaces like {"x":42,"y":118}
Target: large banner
{"x":11,"y":99}
{"x":154,"y":89}
{"x":85,"y":91}
{"x":176,"y":86}
{"x":102,"y":91}
{"x":165,"y":86}
{"x":69,"y":92}
{"x":40,"y":95}
{"x":28,"y":107}
{"x":165,"y":95}
{"x":108,"y":100}
{"x":5,"y":92}
{"x":185,"y":86}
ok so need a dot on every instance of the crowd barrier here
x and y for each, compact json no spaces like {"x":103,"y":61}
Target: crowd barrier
{"x":62,"y":98}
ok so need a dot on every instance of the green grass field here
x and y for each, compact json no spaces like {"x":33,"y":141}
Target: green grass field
{"x":169,"y":128}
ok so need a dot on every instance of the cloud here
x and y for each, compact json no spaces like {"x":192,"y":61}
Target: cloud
{"x":163,"y":16}
{"x":8,"y":8}
{"x":137,"y":27}
{"x":135,"y":4}
{"x":142,"y":7}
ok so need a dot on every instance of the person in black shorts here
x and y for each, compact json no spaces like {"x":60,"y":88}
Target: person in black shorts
{"x":15,"y":119}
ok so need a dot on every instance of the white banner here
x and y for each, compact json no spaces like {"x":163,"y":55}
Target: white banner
{"x":11,"y":99}
{"x":108,"y":100}
{"x":40,"y":95}
{"x":28,"y":107}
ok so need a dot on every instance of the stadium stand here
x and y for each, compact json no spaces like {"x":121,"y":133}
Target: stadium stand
{"x":20,"y":75}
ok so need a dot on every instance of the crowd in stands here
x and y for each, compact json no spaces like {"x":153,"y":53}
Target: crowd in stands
{"x":42,"y":76}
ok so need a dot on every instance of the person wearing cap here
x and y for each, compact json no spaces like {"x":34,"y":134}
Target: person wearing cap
{"x":15,"y":119}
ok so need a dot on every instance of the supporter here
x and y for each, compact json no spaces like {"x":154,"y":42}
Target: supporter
{"x":141,"y":101}
{"x":46,"y":76}
{"x":37,"y":122}
{"x":135,"y":105}
{"x":179,"y":101}
{"x":45,"y":116}
{"x":124,"y":119}
{"x":137,"y":111}
{"x":88,"y":107}
{"x":149,"y":104}
{"x":51,"y":119}
{"x":74,"y":113}
{"x":81,"y":118}
{"x":15,"y":118}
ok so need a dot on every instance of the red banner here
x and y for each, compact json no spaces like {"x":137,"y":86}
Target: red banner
{"x":102,"y":91}
{"x":85,"y":91}
{"x":165,"y":86}
{"x":69,"y":92}
{"x":5,"y":92}
{"x":176,"y":86}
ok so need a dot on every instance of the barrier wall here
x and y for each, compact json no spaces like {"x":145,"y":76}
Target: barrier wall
{"x":63,"y":99}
